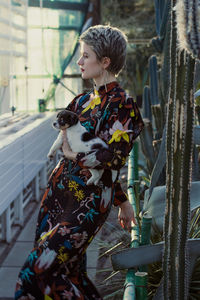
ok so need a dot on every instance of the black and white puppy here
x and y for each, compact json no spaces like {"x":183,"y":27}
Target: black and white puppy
{"x":79,"y":139}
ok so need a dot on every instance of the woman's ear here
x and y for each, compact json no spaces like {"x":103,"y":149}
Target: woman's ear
{"x":106,"y":62}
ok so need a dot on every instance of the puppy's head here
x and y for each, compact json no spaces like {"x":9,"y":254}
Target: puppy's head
{"x":65,"y":119}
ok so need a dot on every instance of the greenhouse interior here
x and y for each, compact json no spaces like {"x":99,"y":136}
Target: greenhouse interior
{"x":159,"y":257}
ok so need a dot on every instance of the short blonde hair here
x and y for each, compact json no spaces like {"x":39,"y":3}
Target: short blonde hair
{"x":107,"y":41}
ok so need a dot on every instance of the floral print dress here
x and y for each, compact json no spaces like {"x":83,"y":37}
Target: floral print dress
{"x":71,"y":211}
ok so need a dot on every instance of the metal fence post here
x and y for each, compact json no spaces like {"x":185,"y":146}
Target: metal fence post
{"x":136,"y":282}
{"x":18,"y":210}
{"x":8,"y":225}
{"x":129,"y":286}
{"x":141,"y":285}
{"x":37,"y":188}
{"x":43,"y":177}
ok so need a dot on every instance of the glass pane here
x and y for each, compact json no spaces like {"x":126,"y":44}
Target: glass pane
{"x":17,"y":19}
{"x":76,"y":1}
{"x":4,"y":44}
{"x":54,"y":18}
{"x":52,"y":37}
{"x":4,"y":12}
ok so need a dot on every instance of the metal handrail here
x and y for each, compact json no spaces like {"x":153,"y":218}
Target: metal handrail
{"x":135,"y":286}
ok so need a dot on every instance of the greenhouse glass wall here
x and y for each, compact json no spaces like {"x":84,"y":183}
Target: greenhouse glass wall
{"x":38,"y":45}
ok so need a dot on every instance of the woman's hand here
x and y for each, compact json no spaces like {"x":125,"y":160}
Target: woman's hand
{"x":126,"y":215}
{"x":66,"y":148}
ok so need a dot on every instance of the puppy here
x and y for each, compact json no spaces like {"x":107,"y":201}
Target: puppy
{"x":79,"y":139}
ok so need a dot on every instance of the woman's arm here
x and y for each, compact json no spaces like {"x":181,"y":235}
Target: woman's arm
{"x":126,"y":216}
{"x":66,"y":148}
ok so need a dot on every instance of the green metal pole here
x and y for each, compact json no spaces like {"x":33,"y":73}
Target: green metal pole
{"x":146,"y":230}
{"x":136,"y":175}
{"x":145,"y":235}
{"x":141,"y":285}
{"x":133,"y":183}
{"x":129,"y":286}
{"x":135,"y":157}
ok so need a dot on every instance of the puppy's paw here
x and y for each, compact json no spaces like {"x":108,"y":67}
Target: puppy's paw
{"x":93,"y":181}
{"x":96,"y":182}
{"x":50,"y":156}
{"x":90,"y":181}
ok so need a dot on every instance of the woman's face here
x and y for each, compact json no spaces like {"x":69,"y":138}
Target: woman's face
{"x":90,"y":66}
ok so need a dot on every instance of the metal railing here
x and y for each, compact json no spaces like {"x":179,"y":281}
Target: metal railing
{"x":135,"y":287}
{"x":24,"y":169}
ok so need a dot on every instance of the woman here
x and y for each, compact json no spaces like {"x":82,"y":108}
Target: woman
{"x":72,"y":212}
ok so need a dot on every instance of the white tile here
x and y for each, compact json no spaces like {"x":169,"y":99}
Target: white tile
{"x":18,"y":254}
{"x":8,"y":277}
{"x":28,"y":233}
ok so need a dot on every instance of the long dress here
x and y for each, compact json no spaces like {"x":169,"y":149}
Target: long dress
{"x":71,"y":211}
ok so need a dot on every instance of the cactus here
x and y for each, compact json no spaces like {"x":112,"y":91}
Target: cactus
{"x":164,"y":79}
{"x":147,"y":114}
{"x":155,"y":96}
{"x":155,"y":103}
{"x":188,"y":26}
{"x":176,"y":85}
{"x":157,"y":43}
{"x":165,"y":71}
{"x":159,"y":8}
{"x":153,"y":80}
{"x":163,"y":37}
{"x":164,"y":21}
{"x":146,"y":139}
{"x":180,"y":122}
{"x":178,"y":92}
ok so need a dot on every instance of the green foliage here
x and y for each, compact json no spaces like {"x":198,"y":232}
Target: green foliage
{"x":153,"y":80}
{"x":146,"y":139}
{"x":147,"y":114}
{"x":134,"y":17}
{"x":109,"y":282}
{"x":156,"y":99}
{"x":158,"y":45}
{"x":135,"y":74}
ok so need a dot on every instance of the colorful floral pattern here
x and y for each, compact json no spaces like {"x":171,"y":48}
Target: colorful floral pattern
{"x":92,"y":102}
{"x":119,"y":131}
{"x":71,"y":211}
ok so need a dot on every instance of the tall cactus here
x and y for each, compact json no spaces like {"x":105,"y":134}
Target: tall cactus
{"x":180,"y":122}
{"x":188,"y":19}
{"x":154,"y":98}
{"x":147,"y":114}
{"x":179,"y":91}
{"x":153,"y":80}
